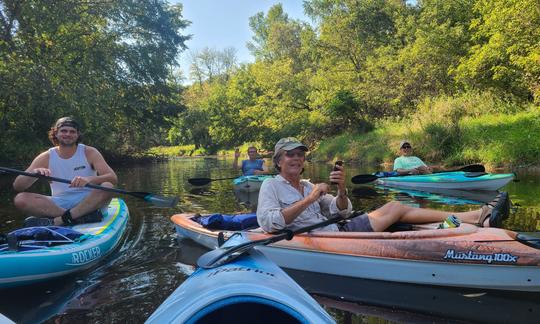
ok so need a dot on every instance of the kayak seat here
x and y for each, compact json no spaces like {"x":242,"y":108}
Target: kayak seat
{"x":400,"y":227}
{"x":530,"y":239}
{"x":236,"y":222}
{"x":474,"y":174}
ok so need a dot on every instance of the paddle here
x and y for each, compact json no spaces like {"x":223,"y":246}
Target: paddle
{"x":156,"y":200}
{"x":366,"y":178}
{"x":205,"y":181}
{"x":222,"y":256}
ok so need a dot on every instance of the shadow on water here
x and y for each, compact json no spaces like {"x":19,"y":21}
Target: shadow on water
{"x":151,"y":262}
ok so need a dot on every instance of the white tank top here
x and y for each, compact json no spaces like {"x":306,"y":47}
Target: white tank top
{"x":77,"y":165}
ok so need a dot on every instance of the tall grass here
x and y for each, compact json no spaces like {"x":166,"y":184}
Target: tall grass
{"x":470,"y":128}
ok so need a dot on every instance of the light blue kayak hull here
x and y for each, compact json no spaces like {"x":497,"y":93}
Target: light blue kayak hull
{"x":250,"y":183}
{"x":26,"y":267}
{"x":249,"y":287}
{"x":449,"y":180}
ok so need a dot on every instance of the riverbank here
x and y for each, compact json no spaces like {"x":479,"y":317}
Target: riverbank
{"x":495,"y":140}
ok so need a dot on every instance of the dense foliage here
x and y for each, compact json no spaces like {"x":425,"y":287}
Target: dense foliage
{"x":357,"y":65}
{"x":361,"y":62}
{"x":107,"y":63}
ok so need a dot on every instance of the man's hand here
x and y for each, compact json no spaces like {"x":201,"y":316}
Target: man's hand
{"x":42,"y":171}
{"x":423,"y":169}
{"x":79,"y":181}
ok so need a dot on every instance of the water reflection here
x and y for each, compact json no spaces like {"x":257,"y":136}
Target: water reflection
{"x":151,"y":263}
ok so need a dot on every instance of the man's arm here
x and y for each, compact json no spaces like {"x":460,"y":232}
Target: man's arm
{"x":236,"y":156}
{"x":39,"y":165}
{"x":104,"y":172}
{"x":264,"y":169}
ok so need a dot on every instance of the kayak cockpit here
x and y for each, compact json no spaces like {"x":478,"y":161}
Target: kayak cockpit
{"x":245,"y":309}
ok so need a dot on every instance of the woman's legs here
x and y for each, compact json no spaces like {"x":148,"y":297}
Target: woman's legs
{"x":393,"y":212}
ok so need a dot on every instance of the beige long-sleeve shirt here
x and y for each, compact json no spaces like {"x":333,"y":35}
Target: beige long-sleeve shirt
{"x":277,"y":193}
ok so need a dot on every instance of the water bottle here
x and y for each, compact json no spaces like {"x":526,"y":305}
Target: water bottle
{"x":450,"y":222}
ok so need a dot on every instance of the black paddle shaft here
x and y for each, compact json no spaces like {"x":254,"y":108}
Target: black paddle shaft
{"x":154,"y":199}
{"x":221,"y":256}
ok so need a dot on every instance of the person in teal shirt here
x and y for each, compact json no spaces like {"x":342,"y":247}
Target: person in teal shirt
{"x":408,"y":163}
{"x":252,"y":166}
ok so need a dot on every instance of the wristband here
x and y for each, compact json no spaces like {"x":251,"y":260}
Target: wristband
{"x":343,"y":194}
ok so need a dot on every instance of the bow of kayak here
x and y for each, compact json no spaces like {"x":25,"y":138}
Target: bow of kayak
{"x":250,"y":183}
{"x":449,"y":180}
{"x":250,"y":287}
{"x":33,"y":262}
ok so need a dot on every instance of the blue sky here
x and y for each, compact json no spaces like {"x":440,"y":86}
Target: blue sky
{"x":225,"y":23}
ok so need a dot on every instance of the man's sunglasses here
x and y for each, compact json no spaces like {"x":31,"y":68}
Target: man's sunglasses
{"x":406,"y":146}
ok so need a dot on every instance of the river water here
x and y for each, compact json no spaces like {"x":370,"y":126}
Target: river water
{"x":151,"y":262}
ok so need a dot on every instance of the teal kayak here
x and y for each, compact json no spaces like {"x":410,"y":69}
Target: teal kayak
{"x":39,"y":260}
{"x":249,"y":289}
{"x":250,"y":183}
{"x":449,"y":180}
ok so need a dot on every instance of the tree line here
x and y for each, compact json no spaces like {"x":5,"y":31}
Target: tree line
{"x":355,"y":63}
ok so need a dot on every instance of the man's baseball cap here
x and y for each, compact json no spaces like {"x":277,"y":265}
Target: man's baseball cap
{"x":403,"y":143}
{"x":67,"y":121}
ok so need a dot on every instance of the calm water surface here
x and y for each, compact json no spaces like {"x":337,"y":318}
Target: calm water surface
{"x":151,"y":263}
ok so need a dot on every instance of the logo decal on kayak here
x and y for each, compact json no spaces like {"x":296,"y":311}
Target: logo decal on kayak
{"x":85,"y":256}
{"x":473,"y":256}
{"x":240,"y":269}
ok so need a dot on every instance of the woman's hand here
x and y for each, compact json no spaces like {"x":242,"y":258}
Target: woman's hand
{"x":337,"y":176}
{"x":317,"y":191}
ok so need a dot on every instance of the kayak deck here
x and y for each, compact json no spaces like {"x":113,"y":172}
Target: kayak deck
{"x":466,"y":256}
{"x":24,"y":266}
{"x":234,"y":292}
{"x":450,"y":180}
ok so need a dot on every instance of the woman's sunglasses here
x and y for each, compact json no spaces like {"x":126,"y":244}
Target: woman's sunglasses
{"x":291,"y":154}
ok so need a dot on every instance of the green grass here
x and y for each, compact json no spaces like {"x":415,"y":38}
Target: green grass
{"x":451,"y":131}
{"x":172,"y":151}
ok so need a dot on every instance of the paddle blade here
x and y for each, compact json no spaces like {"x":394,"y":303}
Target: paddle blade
{"x":199,"y":181}
{"x":156,"y":200}
{"x":363,"y":178}
{"x":224,"y":255}
{"x":473,"y":168}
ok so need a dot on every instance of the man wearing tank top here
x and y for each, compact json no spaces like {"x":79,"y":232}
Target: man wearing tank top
{"x":69,"y":159}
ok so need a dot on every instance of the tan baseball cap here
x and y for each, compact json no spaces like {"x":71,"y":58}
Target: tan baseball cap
{"x":287,"y":144}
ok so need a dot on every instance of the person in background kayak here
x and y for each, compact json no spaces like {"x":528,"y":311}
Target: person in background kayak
{"x":288,"y":201}
{"x":69,"y":159}
{"x":407,"y":163}
{"x":252,"y":166}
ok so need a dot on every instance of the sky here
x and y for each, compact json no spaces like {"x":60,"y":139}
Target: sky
{"x":219,"y":24}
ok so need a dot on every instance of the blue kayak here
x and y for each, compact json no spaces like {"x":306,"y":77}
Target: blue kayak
{"x":37,"y":260}
{"x":250,"y":183}
{"x":449,"y":180}
{"x":249,"y":289}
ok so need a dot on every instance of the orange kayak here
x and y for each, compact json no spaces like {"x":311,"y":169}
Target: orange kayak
{"x":466,"y":256}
